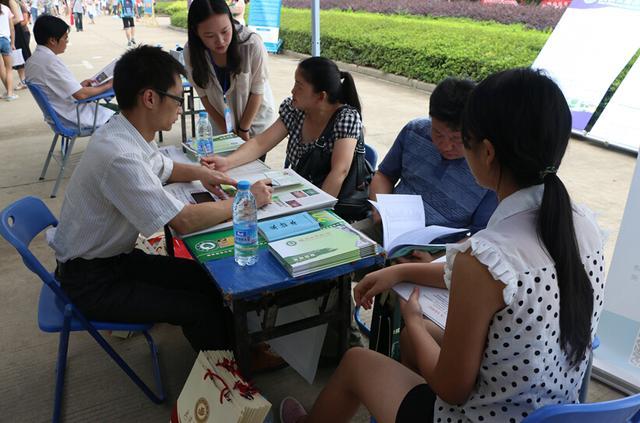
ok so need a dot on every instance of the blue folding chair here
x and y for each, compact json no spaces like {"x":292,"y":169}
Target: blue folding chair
{"x":67,"y":133}
{"x":371,"y":155}
{"x":20,"y":223}
{"x":618,"y":411}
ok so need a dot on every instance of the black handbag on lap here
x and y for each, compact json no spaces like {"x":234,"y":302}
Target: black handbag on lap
{"x":353,"y":199}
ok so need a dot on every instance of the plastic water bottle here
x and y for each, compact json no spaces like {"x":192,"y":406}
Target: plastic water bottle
{"x":245,"y":226}
{"x":204,"y":136}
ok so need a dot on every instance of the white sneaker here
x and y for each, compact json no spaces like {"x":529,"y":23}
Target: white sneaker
{"x":10,"y":97}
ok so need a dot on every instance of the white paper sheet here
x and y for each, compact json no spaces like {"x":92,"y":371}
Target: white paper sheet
{"x":433,"y":301}
{"x":301,"y":349}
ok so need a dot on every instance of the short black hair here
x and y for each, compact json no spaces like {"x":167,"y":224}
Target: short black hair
{"x":142,"y":68}
{"x":47,"y":26}
{"x":448,"y":100}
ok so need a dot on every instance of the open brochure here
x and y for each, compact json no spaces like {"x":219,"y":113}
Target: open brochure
{"x":403,"y":225}
{"x":106,"y":74}
{"x":289,"y":199}
{"x":433,"y":301}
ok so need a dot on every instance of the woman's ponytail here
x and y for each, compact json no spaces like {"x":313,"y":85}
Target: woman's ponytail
{"x":556,"y":229}
{"x":349,"y":92}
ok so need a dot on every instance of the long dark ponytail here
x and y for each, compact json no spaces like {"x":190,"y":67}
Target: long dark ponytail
{"x":525,"y":116}
{"x":324,"y":75}
{"x":199,"y":11}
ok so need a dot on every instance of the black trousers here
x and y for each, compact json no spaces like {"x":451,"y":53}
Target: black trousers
{"x":78,"y":20}
{"x":142,"y":288}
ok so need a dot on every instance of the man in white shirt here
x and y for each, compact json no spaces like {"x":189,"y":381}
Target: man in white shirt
{"x":116,"y":193}
{"x":44,"y":68}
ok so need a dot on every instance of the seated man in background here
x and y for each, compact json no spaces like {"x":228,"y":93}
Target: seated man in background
{"x":116,"y":193}
{"x":427,"y":159}
{"x":46,"y":69}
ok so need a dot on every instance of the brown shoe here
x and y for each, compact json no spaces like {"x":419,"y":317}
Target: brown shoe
{"x":264,"y":359}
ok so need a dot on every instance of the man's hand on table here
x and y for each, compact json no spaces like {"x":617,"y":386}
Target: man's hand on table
{"x":215,"y":162}
{"x":211,"y":179}
{"x":262,"y":191}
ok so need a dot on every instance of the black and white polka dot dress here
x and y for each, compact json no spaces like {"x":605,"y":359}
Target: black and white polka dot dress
{"x":523,"y":367}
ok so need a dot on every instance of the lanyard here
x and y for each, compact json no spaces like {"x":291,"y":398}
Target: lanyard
{"x":224,"y":84}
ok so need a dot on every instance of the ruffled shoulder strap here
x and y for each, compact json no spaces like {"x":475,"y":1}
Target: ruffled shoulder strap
{"x":489,"y":255}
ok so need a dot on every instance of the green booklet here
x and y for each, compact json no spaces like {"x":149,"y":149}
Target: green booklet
{"x":333,"y":246}
{"x":219,"y":244}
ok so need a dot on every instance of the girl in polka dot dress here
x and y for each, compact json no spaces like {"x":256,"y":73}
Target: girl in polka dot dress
{"x":525,"y":293}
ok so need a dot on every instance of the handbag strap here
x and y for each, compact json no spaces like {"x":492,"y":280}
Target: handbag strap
{"x":327,"y":132}
{"x":327,"y":129}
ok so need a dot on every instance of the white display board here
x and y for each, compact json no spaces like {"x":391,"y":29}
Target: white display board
{"x":619,"y":123}
{"x":588,"y":48}
{"x":617,"y":360}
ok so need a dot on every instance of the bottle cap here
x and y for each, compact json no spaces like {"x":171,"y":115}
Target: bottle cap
{"x":202,"y":114}
{"x":243,"y":185}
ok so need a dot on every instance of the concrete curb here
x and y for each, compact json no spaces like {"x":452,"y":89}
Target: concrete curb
{"x":364,"y":70}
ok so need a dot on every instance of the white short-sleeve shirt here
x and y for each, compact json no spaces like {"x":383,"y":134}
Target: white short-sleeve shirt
{"x":114,"y":194}
{"x":253,"y":78}
{"x":47,"y":70}
{"x":523,"y":367}
{"x":5,"y":21}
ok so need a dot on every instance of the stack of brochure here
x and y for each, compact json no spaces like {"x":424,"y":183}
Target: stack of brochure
{"x":323,"y":249}
{"x":222,"y":144}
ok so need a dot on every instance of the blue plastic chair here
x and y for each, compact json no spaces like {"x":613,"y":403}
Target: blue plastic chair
{"x":617,"y":411}
{"x":371,"y":155}
{"x":20,"y":223}
{"x":67,"y":133}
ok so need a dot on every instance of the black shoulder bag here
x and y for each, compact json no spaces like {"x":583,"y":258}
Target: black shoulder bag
{"x":353,"y":199}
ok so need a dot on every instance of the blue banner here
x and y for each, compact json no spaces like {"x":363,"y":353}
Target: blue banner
{"x":264,"y":18}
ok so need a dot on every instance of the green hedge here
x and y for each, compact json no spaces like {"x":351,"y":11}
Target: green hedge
{"x":423,"y":48}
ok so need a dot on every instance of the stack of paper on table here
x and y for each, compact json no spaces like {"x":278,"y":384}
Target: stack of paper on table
{"x":320,"y":250}
{"x":403,"y":225}
{"x":219,"y":244}
{"x":301,"y":196}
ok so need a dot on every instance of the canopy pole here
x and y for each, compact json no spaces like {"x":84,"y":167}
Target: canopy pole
{"x":315,"y":27}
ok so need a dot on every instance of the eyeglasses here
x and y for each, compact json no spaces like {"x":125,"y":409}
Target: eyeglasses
{"x":178,"y":99}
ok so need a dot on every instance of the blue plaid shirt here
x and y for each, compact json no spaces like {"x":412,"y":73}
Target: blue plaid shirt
{"x":449,"y":191}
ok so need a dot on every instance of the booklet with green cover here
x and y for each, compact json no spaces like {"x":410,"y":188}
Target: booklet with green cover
{"x":322,"y":249}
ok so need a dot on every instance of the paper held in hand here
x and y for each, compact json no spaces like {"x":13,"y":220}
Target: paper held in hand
{"x":433,"y":301}
{"x":216,"y":392}
{"x":106,"y":74}
{"x":403,"y":225}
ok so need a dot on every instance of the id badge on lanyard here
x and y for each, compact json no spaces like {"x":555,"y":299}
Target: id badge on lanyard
{"x":228,"y":117}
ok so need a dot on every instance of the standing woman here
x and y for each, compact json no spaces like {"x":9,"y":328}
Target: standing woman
{"x":22,"y":38}
{"x":227,"y":65}
{"x":6,"y":47}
